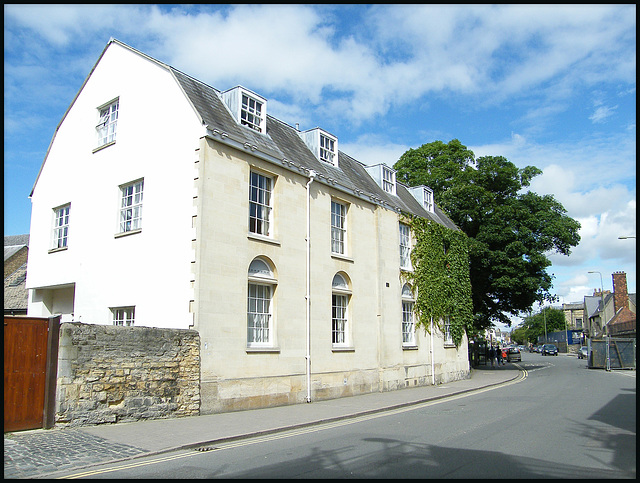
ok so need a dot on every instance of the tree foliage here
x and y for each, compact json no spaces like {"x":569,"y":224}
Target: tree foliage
{"x":511,"y":230}
{"x":534,"y":326}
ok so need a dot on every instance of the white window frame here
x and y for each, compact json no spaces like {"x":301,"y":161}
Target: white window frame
{"x":327,"y":149}
{"x":260,"y":300}
{"x":405,"y":246}
{"x":388,"y":180}
{"x":448,"y":339}
{"x":131,"y":198}
{"x":123,"y":316}
{"x":408,"y":317}
{"x":260,"y":203}
{"x":107,"y":122}
{"x":428,"y":200}
{"x":60,"y":232}
{"x":251,"y":112}
{"x":340,"y":299}
{"x":338,"y":227}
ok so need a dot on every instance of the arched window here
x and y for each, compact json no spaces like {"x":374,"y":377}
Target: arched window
{"x":262,"y":284}
{"x":339,"y":310}
{"x":408,"y":319}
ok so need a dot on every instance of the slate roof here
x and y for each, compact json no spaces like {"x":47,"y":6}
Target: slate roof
{"x":13,"y":244}
{"x":16,"y":295}
{"x":283,"y":143}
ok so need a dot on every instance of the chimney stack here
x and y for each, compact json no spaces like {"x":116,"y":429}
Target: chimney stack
{"x":620,"y":295}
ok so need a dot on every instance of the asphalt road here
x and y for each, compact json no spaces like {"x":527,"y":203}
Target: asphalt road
{"x":561,"y":421}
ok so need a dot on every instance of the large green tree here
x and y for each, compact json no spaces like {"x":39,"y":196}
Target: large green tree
{"x":544,"y":322}
{"x":511,"y":230}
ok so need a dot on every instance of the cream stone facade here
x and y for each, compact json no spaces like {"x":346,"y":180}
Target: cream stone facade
{"x":284,"y":257}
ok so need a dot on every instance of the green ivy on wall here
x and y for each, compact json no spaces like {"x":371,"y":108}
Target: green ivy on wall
{"x":440,"y":277}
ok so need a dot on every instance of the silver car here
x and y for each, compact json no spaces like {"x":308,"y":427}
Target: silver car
{"x":583,"y":352}
{"x":513,"y":354}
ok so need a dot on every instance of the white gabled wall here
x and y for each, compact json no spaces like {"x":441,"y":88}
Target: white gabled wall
{"x":151,"y":269}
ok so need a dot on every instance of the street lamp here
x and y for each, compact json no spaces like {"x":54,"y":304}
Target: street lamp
{"x":625,"y":237}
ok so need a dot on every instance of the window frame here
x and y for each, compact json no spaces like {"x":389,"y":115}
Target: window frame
{"x":446,"y":331}
{"x":107,"y":126}
{"x":261,"y":281}
{"x":340,"y":320}
{"x":339,"y":228}
{"x":132,"y":212}
{"x":327,"y":149}
{"x":408,"y":317}
{"x":405,"y":246}
{"x":251,"y":116}
{"x":388,"y":180}
{"x":259,"y":224}
{"x":428,"y":200}
{"x":60,"y":231}
{"x":128,"y":316}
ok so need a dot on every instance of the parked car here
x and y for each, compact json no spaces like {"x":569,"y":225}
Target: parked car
{"x":549,"y":350}
{"x":513,"y":354}
{"x":583,"y":352}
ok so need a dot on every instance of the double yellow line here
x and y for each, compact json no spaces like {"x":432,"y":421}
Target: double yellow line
{"x":300,"y":431}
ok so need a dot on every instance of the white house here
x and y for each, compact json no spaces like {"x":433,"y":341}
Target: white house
{"x":165,"y":202}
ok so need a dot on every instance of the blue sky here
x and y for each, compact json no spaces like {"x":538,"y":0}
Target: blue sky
{"x":548,"y":86}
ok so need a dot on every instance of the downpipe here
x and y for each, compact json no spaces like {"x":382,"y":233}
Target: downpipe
{"x":312,"y":176}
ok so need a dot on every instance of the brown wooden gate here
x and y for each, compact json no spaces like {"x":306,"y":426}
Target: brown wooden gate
{"x":30,"y":370}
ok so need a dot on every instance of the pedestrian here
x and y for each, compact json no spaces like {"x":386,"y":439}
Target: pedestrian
{"x":498,"y":355}
{"x":492,"y":354}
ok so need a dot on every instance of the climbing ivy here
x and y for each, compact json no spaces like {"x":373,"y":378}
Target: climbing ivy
{"x":440,"y":277}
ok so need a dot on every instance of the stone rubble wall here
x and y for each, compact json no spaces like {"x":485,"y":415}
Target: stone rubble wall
{"x":109,"y":374}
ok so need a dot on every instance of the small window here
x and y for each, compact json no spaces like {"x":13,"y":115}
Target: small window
{"x":327,"y":149}
{"x":447,"y":331}
{"x":60,"y":227}
{"x":405,"y":247}
{"x":261,"y":287}
{"x":251,"y":113}
{"x":408,"y":321}
{"x":260,"y":204}
{"x":107,"y":123}
{"x":123,"y":315}
{"x":131,"y":206}
{"x":339,"y":311}
{"x":428,"y":200}
{"x":338,"y":227}
{"x":388,"y":180}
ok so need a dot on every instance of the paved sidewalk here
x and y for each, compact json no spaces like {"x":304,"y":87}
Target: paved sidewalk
{"x":40,"y":453}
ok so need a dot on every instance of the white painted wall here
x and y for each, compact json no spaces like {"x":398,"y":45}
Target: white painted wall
{"x":151,"y":269}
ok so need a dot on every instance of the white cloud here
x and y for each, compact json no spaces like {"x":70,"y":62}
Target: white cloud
{"x":602,"y":113}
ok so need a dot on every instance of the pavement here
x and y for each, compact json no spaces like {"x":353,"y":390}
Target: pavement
{"x":43,"y":453}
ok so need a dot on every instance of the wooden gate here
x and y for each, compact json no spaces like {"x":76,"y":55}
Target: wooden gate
{"x":30,"y":370}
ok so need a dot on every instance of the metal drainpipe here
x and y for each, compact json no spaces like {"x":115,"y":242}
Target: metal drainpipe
{"x":312,"y":175}
{"x":433,"y":365}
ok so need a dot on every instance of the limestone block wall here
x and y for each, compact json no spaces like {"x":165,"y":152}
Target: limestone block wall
{"x":109,"y":374}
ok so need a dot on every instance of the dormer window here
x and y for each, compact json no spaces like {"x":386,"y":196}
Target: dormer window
{"x":384,"y":176}
{"x":251,"y":113}
{"x":424,"y":196}
{"x":248,"y":108}
{"x":388,"y":180}
{"x":327,"y":149}
{"x":322,"y":144}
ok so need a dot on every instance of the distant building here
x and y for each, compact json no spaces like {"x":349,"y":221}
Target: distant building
{"x":605,"y":313}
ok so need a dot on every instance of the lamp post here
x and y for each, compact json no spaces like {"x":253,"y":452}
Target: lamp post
{"x":625,"y":237}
